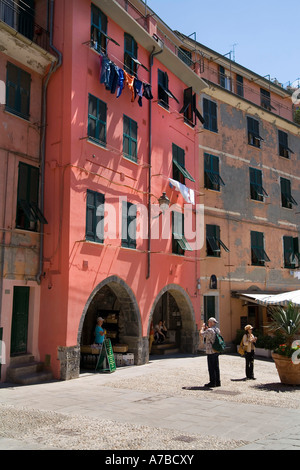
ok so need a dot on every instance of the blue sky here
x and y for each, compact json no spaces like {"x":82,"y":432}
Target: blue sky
{"x":266,"y":32}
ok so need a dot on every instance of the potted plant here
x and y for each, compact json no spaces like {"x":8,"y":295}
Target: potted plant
{"x":286,"y":320}
{"x":265,"y":344}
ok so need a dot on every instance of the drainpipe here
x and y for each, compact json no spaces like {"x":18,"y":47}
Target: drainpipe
{"x":54,"y":67}
{"x":149,"y":174}
{"x":2,"y":256}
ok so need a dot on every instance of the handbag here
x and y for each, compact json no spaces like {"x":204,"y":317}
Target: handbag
{"x":241,"y":349}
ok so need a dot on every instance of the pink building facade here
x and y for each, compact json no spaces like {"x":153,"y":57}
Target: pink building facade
{"x":25,"y":64}
{"x":110,"y":154}
{"x":168,"y":185}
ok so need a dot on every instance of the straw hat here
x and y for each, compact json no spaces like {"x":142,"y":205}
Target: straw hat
{"x":248,"y":327}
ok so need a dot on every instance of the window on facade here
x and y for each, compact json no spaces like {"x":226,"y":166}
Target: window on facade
{"x":189,"y":108}
{"x":179,"y":170}
{"x":284,"y":150}
{"x":254,"y":137}
{"x":94,"y":217}
{"x":179,"y":242}
{"x":224,"y":80}
{"x":214,"y":242}
{"x":287,"y":199}
{"x":210,"y":115}
{"x":185,"y":56}
{"x":257,"y":191}
{"x":28,"y":212}
{"x":130,"y":55}
{"x":17,"y":91}
{"x":129,"y":214}
{"x":240,"y":85}
{"x":19,"y":17}
{"x":291,"y":252}
{"x":212,"y":178}
{"x":265,"y":99}
{"x":97,"y":114}
{"x":98,"y":30}
{"x":163,"y":90}
{"x":258,"y":254}
{"x":130,"y":138}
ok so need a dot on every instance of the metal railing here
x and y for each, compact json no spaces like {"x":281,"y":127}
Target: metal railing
{"x":20,"y":17}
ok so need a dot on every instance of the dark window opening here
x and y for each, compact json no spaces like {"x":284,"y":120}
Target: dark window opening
{"x":254,"y":137}
{"x":214,"y":242}
{"x":258,"y":254}
{"x":212,"y":178}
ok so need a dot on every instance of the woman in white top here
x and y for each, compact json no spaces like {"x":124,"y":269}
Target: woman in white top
{"x":249,"y":345}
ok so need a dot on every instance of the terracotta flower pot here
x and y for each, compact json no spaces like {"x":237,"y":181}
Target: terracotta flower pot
{"x":289,"y":373}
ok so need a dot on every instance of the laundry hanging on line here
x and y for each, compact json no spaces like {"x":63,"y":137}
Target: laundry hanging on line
{"x":187,"y":193}
{"x":114,"y":79}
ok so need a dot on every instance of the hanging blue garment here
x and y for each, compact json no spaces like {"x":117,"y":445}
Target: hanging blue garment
{"x":114,"y":76}
{"x":138,"y":90}
{"x":147,"y":93}
{"x":105,"y":71}
{"x":121,"y":82}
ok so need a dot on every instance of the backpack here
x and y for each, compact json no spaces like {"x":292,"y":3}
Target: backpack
{"x":219,"y":343}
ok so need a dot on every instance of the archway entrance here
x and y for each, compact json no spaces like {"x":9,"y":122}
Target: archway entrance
{"x":174,"y":307}
{"x":114,"y":301}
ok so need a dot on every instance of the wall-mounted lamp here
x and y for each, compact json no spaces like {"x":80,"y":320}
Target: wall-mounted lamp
{"x":164,"y":202}
{"x":198,"y":284}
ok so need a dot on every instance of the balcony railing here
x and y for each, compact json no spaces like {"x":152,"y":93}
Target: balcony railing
{"x":21,"y":18}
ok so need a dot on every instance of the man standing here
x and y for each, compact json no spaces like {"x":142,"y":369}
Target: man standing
{"x":209,"y":335}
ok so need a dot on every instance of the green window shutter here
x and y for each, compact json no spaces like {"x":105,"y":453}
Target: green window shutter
{"x":28,"y":212}
{"x":179,"y":242}
{"x":18,"y":83}
{"x":210,"y":115}
{"x":287,"y":199}
{"x":97,"y":117}
{"x":258,"y":254}
{"x":288,"y":251}
{"x":214,"y":242}
{"x":291,"y":252}
{"x":98,"y":30}
{"x":130,"y":128}
{"x":94,"y":216}
{"x":212,"y":178}
{"x":256,"y":187}
{"x":179,"y":170}
{"x":129,"y":214}
{"x":284,"y":150}
{"x":254,"y":137}
{"x":130,"y":54}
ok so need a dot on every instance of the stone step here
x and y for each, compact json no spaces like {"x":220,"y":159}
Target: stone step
{"x":24,"y":358}
{"x":20,"y":369}
{"x":34,"y":378}
{"x":164,"y":349}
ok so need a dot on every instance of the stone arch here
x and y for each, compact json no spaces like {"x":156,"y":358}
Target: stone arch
{"x":130,"y":326}
{"x":189,"y":336}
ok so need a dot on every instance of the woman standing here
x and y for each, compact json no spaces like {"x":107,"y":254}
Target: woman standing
{"x":248,"y":341}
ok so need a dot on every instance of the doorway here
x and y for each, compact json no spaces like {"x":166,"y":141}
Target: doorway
{"x":19,"y":327}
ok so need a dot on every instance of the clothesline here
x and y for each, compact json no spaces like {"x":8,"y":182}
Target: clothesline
{"x":114,"y":78}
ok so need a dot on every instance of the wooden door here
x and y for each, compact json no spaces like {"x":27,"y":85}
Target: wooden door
{"x":19,"y":329}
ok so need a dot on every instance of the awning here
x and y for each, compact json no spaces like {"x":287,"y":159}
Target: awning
{"x":278,"y":299}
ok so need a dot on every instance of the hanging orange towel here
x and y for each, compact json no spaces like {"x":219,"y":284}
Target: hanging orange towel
{"x":129,"y":79}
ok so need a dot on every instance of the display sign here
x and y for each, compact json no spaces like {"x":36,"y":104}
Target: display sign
{"x":108,"y":354}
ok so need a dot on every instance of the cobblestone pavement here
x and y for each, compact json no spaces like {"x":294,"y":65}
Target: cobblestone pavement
{"x":162,"y":405}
